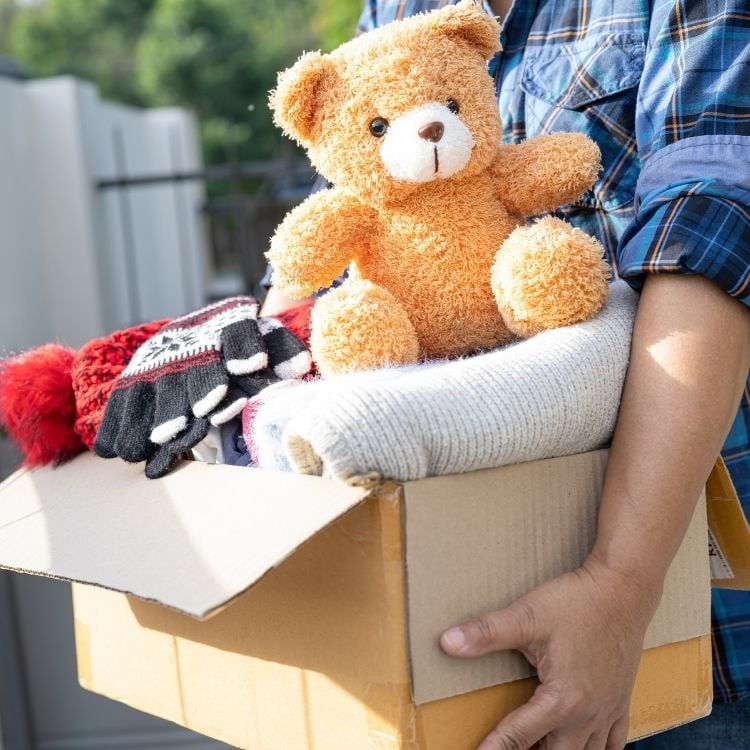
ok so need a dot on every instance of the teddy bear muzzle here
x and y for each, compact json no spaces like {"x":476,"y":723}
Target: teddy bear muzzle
{"x":426,"y":143}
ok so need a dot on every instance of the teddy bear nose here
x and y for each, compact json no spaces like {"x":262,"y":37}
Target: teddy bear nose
{"x":433,"y":131}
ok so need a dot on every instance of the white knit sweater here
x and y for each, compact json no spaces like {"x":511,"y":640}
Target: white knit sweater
{"x":552,"y":395}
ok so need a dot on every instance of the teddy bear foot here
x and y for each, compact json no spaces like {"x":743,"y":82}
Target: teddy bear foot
{"x":549,"y":275}
{"x":361,"y":326}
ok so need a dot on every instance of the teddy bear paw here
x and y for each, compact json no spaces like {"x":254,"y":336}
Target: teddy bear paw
{"x":549,"y":275}
{"x":361,"y":326}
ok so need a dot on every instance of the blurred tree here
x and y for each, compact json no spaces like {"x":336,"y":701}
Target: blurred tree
{"x":336,"y":21}
{"x":220,"y":58}
{"x":217,"y":57}
{"x":8,"y":9}
{"x":93,"y":39}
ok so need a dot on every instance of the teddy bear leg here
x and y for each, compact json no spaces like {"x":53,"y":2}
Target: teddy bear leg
{"x":361,"y":326}
{"x":548,"y":275}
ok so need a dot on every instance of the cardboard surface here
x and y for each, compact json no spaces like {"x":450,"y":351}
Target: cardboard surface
{"x":331,"y":671}
{"x":191,"y":541}
{"x":209,"y":682}
{"x":673,"y":687}
{"x":729,"y":532}
{"x":316,"y":653}
{"x":314,"y":656}
{"x":480,"y":541}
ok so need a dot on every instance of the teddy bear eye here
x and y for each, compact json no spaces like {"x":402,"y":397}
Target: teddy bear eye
{"x":452,"y":105}
{"x":378,"y":127}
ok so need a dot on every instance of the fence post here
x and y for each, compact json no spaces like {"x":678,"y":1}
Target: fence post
{"x":61,"y":140}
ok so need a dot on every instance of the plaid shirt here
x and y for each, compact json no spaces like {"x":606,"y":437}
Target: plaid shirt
{"x":663,"y":88}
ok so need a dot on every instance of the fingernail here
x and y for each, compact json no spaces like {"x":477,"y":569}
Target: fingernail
{"x":454,"y":639}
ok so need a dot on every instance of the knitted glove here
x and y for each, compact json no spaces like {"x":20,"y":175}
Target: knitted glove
{"x":196,"y":371}
{"x":287,"y":358}
{"x":552,"y":395}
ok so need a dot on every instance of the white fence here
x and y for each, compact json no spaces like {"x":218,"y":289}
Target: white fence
{"x":77,"y":261}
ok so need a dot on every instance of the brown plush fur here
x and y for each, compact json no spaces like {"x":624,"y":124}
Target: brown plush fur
{"x":442,"y":267}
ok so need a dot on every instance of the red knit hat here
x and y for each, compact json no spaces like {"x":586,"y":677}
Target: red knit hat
{"x":52,"y":398}
{"x":95,"y":369}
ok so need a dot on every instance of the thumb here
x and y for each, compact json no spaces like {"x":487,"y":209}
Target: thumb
{"x":509,"y":628}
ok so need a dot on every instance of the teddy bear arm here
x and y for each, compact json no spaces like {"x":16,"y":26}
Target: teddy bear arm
{"x":545,"y":172}
{"x":317,"y":240}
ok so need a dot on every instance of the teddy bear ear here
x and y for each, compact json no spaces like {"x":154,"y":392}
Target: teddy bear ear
{"x":467,"y":20}
{"x":297,"y":99}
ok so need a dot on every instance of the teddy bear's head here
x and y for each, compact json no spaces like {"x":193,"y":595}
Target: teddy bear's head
{"x":399,"y":107}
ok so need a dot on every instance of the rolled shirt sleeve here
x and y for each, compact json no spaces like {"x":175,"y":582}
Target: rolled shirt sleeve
{"x":692,"y":204}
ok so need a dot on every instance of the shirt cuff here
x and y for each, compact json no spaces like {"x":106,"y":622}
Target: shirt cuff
{"x":696,"y":223}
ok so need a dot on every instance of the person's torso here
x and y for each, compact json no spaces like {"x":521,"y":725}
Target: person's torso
{"x":569,"y":65}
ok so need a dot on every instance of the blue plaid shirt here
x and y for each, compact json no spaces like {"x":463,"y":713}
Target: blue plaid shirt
{"x":663,"y":87}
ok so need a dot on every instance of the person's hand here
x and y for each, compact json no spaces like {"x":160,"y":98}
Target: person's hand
{"x":583,"y":632}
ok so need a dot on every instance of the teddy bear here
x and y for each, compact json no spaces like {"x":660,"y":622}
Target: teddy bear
{"x":428,"y":210}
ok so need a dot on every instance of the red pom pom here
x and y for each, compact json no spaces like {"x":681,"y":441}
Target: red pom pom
{"x":37,"y":405}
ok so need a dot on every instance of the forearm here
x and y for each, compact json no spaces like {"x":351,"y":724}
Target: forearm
{"x":584,"y":631}
{"x":689,"y":361}
{"x":277,"y":302}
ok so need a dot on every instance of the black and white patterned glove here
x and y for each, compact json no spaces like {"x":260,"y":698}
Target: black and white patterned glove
{"x":196,"y":371}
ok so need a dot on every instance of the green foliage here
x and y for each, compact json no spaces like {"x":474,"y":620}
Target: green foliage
{"x":216,"y":57}
{"x":336,"y":21}
{"x":8,"y":10}
{"x":220,"y":57}
{"x":93,"y":39}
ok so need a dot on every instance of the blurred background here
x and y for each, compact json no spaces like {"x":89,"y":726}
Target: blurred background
{"x":137,"y":153}
{"x":140,"y":177}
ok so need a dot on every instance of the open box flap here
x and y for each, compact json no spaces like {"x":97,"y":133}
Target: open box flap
{"x":191,"y":541}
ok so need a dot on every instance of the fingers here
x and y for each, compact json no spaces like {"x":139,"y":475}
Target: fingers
{"x":597,"y":741}
{"x":527,"y":725}
{"x":106,"y":435}
{"x":231,"y":407}
{"x":164,"y":456}
{"x":509,"y":628}
{"x":172,"y":409}
{"x":127,"y":422}
{"x":578,"y":741}
{"x":203,"y":386}
{"x":615,"y":739}
{"x":550,"y":718}
{"x":206,"y":386}
{"x":287,"y":355}
{"x":252,"y":385}
{"x":133,"y":442}
{"x":558,"y":720}
{"x":243,"y":348}
{"x":618,"y":735}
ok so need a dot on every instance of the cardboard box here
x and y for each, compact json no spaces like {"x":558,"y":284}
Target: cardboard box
{"x":282,"y":611}
{"x":728,"y":533}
